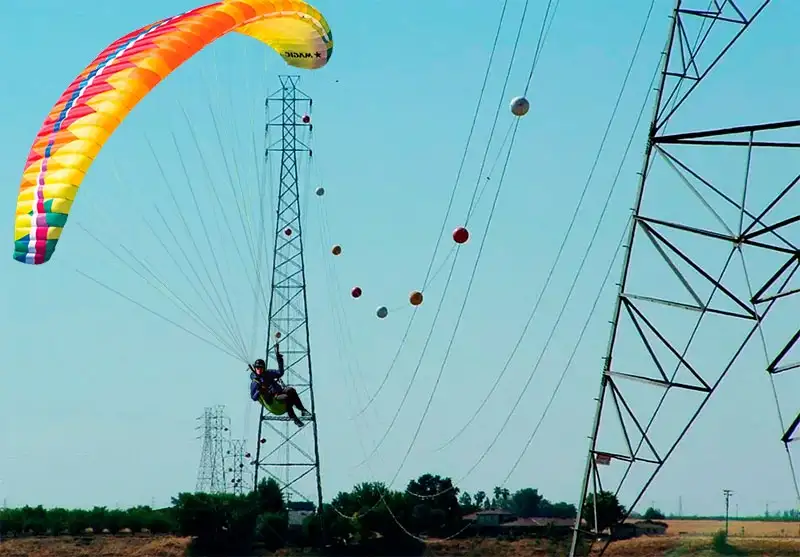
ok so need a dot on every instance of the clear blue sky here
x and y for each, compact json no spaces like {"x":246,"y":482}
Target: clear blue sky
{"x":98,"y":398}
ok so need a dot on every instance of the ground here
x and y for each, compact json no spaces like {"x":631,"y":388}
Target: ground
{"x":99,"y":546}
{"x":686,"y":538}
{"x":736,"y":528}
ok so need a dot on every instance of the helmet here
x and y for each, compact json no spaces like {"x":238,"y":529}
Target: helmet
{"x":259,"y":363}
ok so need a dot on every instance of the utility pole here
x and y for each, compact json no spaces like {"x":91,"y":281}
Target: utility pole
{"x":727,"y":493}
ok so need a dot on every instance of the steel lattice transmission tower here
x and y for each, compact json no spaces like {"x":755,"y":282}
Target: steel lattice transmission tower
{"x":285,"y":453}
{"x":211,"y":475}
{"x":236,"y":460}
{"x":708,"y":286}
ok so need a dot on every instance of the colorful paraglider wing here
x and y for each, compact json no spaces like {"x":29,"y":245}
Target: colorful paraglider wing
{"x":103,"y":94}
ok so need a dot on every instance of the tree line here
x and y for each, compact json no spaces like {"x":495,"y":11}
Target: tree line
{"x":369,"y":517}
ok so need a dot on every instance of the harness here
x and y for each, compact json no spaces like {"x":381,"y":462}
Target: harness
{"x":272,"y":386}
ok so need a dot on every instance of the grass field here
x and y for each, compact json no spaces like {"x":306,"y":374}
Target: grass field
{"x":736,"y":528}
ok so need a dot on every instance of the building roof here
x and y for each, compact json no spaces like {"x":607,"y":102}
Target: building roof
{"x":490,"y":512}
{"x":540,"y":522}
{"x":519,"y":522}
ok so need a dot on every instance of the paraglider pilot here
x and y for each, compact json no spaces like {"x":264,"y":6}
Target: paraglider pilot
{"x":266,"y":384}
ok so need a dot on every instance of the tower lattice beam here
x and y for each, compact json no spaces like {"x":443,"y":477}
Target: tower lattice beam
{"x":709,"y":277}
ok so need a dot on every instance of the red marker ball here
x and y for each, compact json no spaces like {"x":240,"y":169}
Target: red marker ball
{"x":288,"y":231}
{"x":306,"y":119}
{"x":460,"y":235}
{"x":355,"y":292}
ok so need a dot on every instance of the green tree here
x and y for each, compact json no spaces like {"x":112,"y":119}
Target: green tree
{"x":34,"y":520}
{"x":481,"y":501}
{"x":58,"y":521}
{"x":115,"y":520}
{"x":11,"y":522}
{"x":466,"y":503}
{"x":98,"y":519}
{"x":272,"y":530}
{"x":159,"y":521}
{"x":435,"y":508}
{"x":220,"y":523}
{"x":268,"y":497}
{"x":562,"y":510}
{"x":362,"y":510}
{"x":502,"y":498}
{"x":653,"y":514}
{"x":527,"y":502}
{"x":374,"y":517}
{"x":609,"y":511}
{"x":78,"y":522}
{"x":136,"y":518}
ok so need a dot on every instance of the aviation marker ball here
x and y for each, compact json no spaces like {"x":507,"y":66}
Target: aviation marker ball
{"x":355,"y":292}
{"x":320,"y":191}
{"x":460,"y":235}
{"x":288,"y":231}
{"x":382,"y":312}
{"x":306,"y":118}
{"x":415,"y":298}
{"x":520,"y":106}
{"x":336,"y":250}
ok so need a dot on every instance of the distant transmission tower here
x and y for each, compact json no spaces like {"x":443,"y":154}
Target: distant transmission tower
{"x":211,"y":475}
{"x":236,"y":460}
{"x":706,"y":281}
{"x":283,"y":453}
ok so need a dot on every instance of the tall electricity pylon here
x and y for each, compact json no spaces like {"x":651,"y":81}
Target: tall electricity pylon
{"x":707,"y":281}
{"x":285,"y":453}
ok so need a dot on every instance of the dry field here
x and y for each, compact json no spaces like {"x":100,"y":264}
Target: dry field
{"x":701,"y":547}
{"x":660,"y":546}
{"x":99,"y":546}
{"x":695,"y":544}
{"x":736,"y":528}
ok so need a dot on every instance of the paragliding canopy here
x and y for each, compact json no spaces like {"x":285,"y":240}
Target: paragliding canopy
{"x":100,"y":98}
